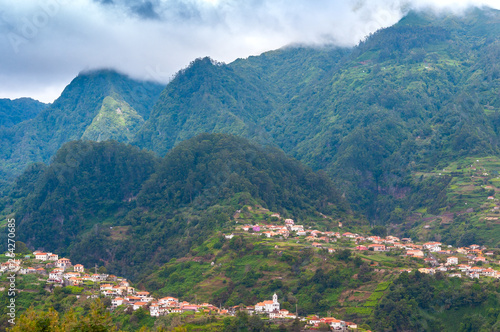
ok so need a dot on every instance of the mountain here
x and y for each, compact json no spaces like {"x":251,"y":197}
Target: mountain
{"x":412,"y":97}
{"x":113,"y":203}
{"x":403,"y":128}
{"x":382,"y":119}
{"x":115,"y":120}
{"x":84,"y":110}
{"x":240,"y":98}
{"x":15,"y":111}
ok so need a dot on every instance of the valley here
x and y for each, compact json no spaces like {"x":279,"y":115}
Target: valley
{"x":358,"y":185}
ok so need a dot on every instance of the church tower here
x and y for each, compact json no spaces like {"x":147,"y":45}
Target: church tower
{"x":275,"y":298}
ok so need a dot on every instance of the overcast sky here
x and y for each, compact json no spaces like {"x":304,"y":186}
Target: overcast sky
{"x":44,"y":44}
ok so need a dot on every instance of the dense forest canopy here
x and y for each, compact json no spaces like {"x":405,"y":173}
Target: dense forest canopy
{"x":163,"y":205}
{"x":69,"y":117}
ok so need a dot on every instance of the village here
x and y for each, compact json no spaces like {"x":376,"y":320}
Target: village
{"x":454,"y":262}
{"x":63,"y":273}
{"x":435,"y":257}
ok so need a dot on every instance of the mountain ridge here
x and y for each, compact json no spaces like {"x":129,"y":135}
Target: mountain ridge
{"x":67,"y":118}
{"x":164,"y":205}
{"x":407,"y":97}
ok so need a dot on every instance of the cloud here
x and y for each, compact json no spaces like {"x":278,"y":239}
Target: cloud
{"x":44,"y":44}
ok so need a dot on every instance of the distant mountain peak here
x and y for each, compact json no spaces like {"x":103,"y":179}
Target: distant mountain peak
{"x":100,"y":71}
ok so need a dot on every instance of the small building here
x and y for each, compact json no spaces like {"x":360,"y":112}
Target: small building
{"x":168,"y":300}
{"x":78,"y":268}
{"x":415,"y":253}
{"x":42,"y":256}
{"x":63,"y":263}
{"x":138,"y":305}
{"x":142,"y":294}
{"x":117,"y":301}
{"x":268,"y":306}
{"x":154,"y":309}
{"x":53,"y":257}
{"x":377,"y":247}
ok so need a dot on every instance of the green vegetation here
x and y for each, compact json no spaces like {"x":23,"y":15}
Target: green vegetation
{"x":404,"y":129}
{"x":94,"y":318}
{"x":248,"y":269}
{"x":16,"y":111}
{"x":463,"y":214}
{"x":420,"y":302}
{"x":67,"y":119}
{"x":116,"y":120}
{"x":409,"y":98}
{"x":112,"y":202}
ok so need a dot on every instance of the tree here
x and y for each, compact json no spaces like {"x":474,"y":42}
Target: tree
{"x":97,"y":320}
{"x":33,"y":321}
{"x":379,"y":231}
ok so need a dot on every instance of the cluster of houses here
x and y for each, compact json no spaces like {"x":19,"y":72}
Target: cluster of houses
{"x":469,"y":256}
{"x":157,"y":307}
{"x":59,"y":271}
{"x":172,"y":305}
{"x":467,"y":261}
{"x":62,"y":271}
{"x":334,"y":323}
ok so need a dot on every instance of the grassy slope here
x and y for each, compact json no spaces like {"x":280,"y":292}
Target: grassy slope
{"x":467,"y":209}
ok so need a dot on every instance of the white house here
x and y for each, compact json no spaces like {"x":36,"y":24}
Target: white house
{"x":56,"y":275}
{"x":71,"y":275}
{"x":435,"y":249}
{"x":63,"y":263}
{"x":168,"y":300}
{"x":154,"y":309}
{"x":138,"y":305}
{"x":106,"y":287}
{"x":432,"y":246}
{"x":452,"y":260}
{"x":117,"y":301}
{"x":78,"y":268}
{"x":142,"y":295}
{"x":442,"y":268}
{"x":42,"y":256}
{"x":52,"y":257}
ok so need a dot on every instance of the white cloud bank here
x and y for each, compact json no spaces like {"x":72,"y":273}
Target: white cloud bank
{"x":44,"y":44}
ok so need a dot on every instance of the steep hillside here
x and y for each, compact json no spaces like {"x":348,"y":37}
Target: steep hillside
{"x":15,"y":111}
{"x":244,"y":98}
{"x":410,"y":97}
{"x":205,"y":97}
{"x":71,"y":114}
{"x":112,"y":203}
{"x":115,"y":120}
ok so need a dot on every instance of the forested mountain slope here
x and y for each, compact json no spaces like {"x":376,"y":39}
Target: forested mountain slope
{"x":410,"y":97}
{"x":382,"y":119}
{"x":69,"y":117}
{"x":15,"y":111}
{"x":114,"y":203}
